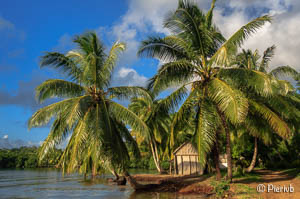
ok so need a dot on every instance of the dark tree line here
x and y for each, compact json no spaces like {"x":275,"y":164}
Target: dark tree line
{"x":27,"y":157}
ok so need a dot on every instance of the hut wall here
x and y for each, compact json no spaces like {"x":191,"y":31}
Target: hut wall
{"x":186,"y":160}
{"x":223,"y":161}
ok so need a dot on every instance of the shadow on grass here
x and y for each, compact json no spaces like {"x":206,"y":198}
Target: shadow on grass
{"x":292,"y":172}
{"x":267,"y":176}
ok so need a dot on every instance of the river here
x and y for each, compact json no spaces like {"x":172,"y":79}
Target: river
{"x":49,"y":183}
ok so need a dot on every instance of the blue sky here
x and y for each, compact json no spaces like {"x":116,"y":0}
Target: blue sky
{"x":29,"y":28}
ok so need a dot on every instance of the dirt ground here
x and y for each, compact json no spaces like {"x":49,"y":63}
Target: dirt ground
{"x":274,"y":179}
{"x":201,"y":184}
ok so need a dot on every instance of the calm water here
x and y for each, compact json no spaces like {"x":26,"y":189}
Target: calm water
{"x":49,"y":183}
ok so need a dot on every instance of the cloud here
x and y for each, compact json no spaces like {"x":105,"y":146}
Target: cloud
{"x":9,"y":31}
{"x":6,"y":143}
{"x":128,"y":77}
{"x":283,"y":32}
{"x":65,"y":43}
{"x":24,"y":96}
{"x":145,"y":18}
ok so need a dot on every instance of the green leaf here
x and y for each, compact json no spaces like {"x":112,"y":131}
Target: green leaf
{"x":230,"y":101}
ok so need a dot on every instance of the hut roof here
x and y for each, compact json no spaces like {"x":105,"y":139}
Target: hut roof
{"x":186,"y":148}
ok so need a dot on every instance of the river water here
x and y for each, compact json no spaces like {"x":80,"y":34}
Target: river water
{"x":49,"y":183}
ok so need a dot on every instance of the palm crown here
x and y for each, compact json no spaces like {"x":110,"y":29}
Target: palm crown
{"x":195,"y":55}
{"x":87,"y":112}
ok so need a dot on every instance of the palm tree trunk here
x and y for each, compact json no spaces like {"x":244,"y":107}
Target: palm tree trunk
{"x":251,"y":167}
{"x":155,"y":157}
{"x":217,"y":159}
{"x":115,"y":174}
{"x":133,"y":183}
{"x":94,"y":171}
{"x":228,"y":147}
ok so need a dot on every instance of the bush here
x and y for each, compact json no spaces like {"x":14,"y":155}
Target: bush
{"x":238,"y":171}
{"x":220,"y":187}
{"x":165,"y":165}
{"x":151,"y":163}
{"x":295,"y":164}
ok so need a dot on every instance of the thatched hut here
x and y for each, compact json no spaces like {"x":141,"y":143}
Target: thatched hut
{"x":186,"y":160}
{"x":223,"y":161}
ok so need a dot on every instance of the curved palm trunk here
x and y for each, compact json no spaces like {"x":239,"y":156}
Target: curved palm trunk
{"x":133,"y":183}
{"x":155,"y":156}
{"x":217,"y":159}
{"x":228,"y":147}
{"x":115,"y":174}
{"x":252,"y":165}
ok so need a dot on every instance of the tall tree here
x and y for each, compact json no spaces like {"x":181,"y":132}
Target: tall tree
{"x":195,"y":55}
{"x":262,"y":107}
{"x":155,"y":113}
{"x":87,"y":114}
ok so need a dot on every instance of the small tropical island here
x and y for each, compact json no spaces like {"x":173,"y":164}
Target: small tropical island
{"x":214,"y":121}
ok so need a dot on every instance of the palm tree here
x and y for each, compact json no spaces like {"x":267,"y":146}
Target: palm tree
{"x":155,"y":113}
{"x":261,"y":107}
{"x":151,"y":111}
{"x":87,"y":114}
{"x":195,"y":55}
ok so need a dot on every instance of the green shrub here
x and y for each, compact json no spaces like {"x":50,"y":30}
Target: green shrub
{"x":220,"y":187}
{"x":238,"y":171}
{"x":165,"y":165}
{"x":151,"y":163}
{"x":295,"y":164}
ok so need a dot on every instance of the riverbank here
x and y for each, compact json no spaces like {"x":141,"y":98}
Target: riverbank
{"x":242,"y":186}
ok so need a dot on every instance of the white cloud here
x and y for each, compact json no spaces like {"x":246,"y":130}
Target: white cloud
{"x":5,"y":137}
{"x":65,"y":43}
{"x":145,"y":17}
{"x":128,"y":77}
{"x":9,"y":31}
{"x":283,"y":32}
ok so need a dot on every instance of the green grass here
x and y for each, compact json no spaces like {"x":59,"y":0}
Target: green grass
{"x":242,"y":191}
{"x":292,"y":172}
{"x":248,"y":177}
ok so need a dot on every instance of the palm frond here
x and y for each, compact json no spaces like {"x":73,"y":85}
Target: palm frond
{"x":172,"y":101}
{"x":258,"y":82}
{"x":284,"y":70}
{"x":126,"y":92}
{"x":171,"y":74}
{"x":275,"y":122}
{"x":44,"y":115}
{"x":128,"y":117}
{"x":268,"y":54}
{"x":169,"y":48}
{"x":223,"y":55}
{"x":110,"y":62}
{"x":230,"y":101}
{"x":62,"y":63}
{"x":207,"y":123}
{"x":209,"y":14}
{"x":58,"y":88}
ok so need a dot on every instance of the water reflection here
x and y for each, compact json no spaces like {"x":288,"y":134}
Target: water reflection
{"x":49,"y":183}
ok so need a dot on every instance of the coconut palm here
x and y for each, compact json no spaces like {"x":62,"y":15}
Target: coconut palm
{"x":195,"y":55}
{"x":155,"y":112}
{"x":150,"y":111}
{"x":264,"y":108}
{"x":86,"y":112}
